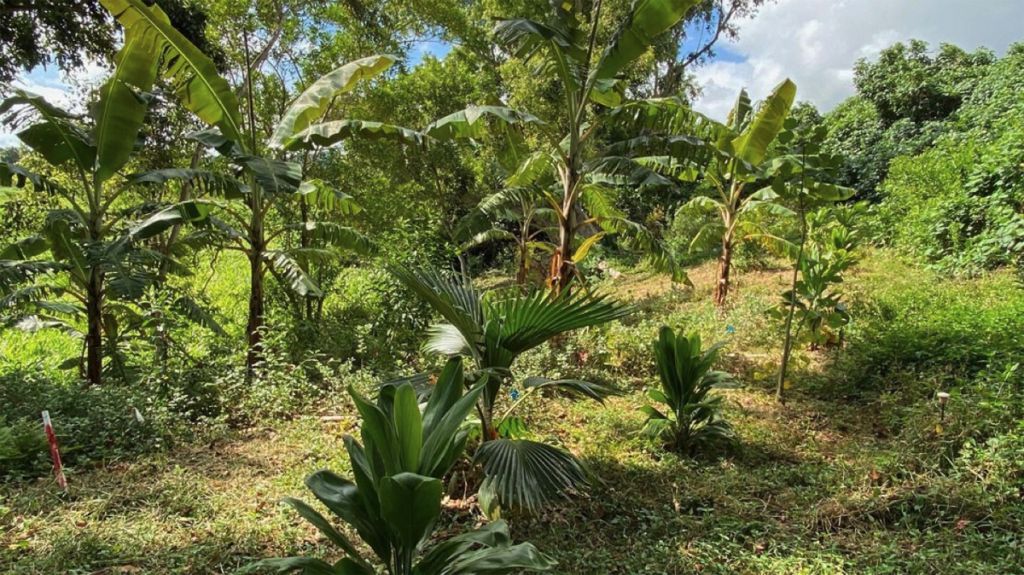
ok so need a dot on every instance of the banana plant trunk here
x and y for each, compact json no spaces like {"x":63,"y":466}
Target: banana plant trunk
{"x":522,"y":273}
{"x":562,"y":266}
{"x":254,"y":328}
{"x":724,"y":267}
{"x":94,"y":334}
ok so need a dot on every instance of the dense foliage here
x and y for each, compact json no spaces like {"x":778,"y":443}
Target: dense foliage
{"x":213,"y":257}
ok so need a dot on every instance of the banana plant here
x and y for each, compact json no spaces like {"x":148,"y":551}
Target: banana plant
{"x":493,"y":333}
{"x":266,"y":178}
{"x":524,"y":210}
{"x":692,"y":419}
{"x":588,"y":78}
{"x":730,"y":159}
{"x":91,"y":238}
{"x":394,"y":502}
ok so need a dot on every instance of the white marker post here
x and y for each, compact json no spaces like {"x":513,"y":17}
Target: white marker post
{"x":51,"y":437}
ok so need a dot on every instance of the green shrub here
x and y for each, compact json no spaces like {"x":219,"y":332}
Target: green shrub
{"x":22,"y":444}
{"x":90,"y":422}
{"x":692,"y":421}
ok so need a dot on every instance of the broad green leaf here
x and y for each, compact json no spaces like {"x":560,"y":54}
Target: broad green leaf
{"x":291,"y":274}
{"x":472,"y":122}
{"x":66,"y":248}
{"x":121,"y":108}
{"x":320,"y":193}
{"x":408,"y":427}
{"x":410,"y":504}
{"x":191,"y":74}
{"x":331,"y":133}
{"x":24,"y":249}
{"x":739,"y":113}
{"x":314,"y":100}
{"x":184,"y":212}
{"x":584,"y":247}
{"x":338,"y":236}
{"x":58,"y":141}
{"x":273,"y":176}
{"x":752,"y":144}
{"x":443,"y":437}
{"x":647,"y":20}
{"x":379,"y":437}
{"x":325,"y":527}
{"x":209,"y":182}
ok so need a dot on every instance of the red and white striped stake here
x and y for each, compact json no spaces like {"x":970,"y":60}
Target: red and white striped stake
{"x":51,"y":437}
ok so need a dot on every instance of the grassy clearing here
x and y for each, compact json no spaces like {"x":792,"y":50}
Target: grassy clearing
{"x":853,"y":475}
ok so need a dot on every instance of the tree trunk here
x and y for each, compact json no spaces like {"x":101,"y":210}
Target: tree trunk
{"x":304,"y":242}
{"x":94,"y":336}
{"x":522,"y":273}
{"x":562,"y":266}
{"x":787,"y":345}
{"x":724,"y":266}
{"x":254,"y":329}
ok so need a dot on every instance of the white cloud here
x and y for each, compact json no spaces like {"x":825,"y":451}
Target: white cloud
{"x":816,"y":42}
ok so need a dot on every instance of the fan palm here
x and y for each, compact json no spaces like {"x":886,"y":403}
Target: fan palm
{"x":493,"y":334}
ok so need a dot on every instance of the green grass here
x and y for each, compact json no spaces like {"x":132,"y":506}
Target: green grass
{"x":852,"y":475}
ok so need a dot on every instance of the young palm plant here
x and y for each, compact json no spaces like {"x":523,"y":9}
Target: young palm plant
{"x":582,"y":196}
{"x":395,"y":499}
{"x":692,"y":419}
{"x":493,"y":334}
{"x":244,"y":203}
{"x":802,"y":177}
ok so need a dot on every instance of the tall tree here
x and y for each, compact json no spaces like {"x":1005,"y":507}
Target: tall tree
{"x":587,"y":77}
{"x":40,"y":32}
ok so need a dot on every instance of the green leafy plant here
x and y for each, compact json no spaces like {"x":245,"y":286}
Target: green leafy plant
{"x":91,"y":239}
{"x":578,"y":184}
{"x":494,"y":333}
{"x":394,"y":502}
{"x":692,"y":420}
{"x":21,"y":442}
{"x":816,"y":297}
{"x":730,"y":161}
{"x":241,"y":222}
{"x":802,"y":177}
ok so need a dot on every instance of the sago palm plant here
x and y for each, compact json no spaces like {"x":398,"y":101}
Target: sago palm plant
{"x":395,"y":499}
{"x":692,"y":419}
